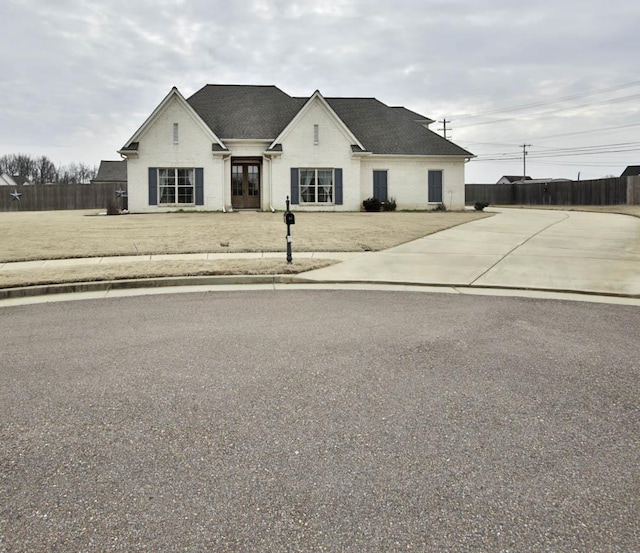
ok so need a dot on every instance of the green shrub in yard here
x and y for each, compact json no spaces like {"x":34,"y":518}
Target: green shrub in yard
{"x":479,"y":206}
{"x":440,"y":207}
{"x":372,"y":204}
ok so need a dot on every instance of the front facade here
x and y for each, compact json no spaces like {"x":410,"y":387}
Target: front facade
{"x":246,"y":147}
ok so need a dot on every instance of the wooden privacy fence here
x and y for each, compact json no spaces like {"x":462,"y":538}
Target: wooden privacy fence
{"x":612,"y":191}
{"x":47,"y":197}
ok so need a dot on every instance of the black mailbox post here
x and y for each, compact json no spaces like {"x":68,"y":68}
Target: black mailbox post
{"x":289,"y":219}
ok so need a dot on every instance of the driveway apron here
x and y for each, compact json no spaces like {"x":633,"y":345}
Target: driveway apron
{"x":517,"y":248}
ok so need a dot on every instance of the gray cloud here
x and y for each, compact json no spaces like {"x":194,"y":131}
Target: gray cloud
{"x":81,"y":76}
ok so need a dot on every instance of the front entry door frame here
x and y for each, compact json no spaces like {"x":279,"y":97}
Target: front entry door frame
{"x":246,"y":182}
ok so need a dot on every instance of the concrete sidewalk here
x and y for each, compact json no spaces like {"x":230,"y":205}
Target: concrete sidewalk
{"x":523,"y":249}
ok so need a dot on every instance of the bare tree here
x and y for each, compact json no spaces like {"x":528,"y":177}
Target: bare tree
{"x":45,"y":171}
{"x":42,"y":170}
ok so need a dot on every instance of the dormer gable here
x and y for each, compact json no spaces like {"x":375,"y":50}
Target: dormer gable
{"x":316,"y":99}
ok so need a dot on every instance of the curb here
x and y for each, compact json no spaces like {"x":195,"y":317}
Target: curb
{"x":239,"y":280}
{"x":130,"y":284}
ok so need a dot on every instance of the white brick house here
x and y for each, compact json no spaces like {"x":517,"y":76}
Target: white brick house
{"x":249,"y":147}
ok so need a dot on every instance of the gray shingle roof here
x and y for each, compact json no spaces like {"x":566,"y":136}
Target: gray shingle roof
{"x":631,"y":171}
{"x":263,"y":112}
{"x":112,"y":171}
{"x":242,"y":111}
{"x":385,"y":130}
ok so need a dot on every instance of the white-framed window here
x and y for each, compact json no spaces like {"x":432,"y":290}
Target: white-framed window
{"x":175,"y":133}
{"x":316,"y":186}
{"x":176,"y":186}
{"x":316,"y":134}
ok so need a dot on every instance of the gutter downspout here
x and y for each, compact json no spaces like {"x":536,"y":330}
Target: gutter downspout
{"x":267,"y":157}
{"x":224,"y":159}
{"x":271,"y":185}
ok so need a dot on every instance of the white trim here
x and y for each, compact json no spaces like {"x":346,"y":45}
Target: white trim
{"x":242,"y":140}
{"x":419,"y":156}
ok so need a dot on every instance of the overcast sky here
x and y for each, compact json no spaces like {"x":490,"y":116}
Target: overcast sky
{"x":79,"y":77}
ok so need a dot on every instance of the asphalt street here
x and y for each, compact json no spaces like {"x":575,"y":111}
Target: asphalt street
{"x":319,"y":421}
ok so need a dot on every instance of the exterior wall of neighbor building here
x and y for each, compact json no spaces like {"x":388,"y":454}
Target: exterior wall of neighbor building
{"x":332,"y":151}
{"x":6,"y":180}
{"x":157,"y":149}
{"x":407,"y":180}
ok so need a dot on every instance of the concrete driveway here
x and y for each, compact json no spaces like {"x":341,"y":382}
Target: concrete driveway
{"x":517,"y":248}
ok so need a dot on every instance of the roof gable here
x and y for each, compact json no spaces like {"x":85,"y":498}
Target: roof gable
{"x":132,"y":144}
{"x":317,"y":98}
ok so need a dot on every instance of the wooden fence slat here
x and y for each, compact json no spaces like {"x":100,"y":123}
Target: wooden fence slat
{"x":611,"y":191}
{"x":48,"y":197}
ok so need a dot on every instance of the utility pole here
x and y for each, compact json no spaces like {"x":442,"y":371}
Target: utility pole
{"x":524,"y":159}
{"x":444,"y":126}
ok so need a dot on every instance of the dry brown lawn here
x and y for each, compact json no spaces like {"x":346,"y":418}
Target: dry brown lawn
{"x":78,"y":234}
{"x":65,"y":234}
{"x":154,"y":269}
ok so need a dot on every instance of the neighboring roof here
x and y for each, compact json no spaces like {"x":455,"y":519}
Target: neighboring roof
{"x":263,"y":112}
{"x":631,"y":171}
{"x":7,"y":180}
{"x":112,"y":171}
{"x":513,"y":178}
{"x":19,"y":180}
{"x":13,"y":180}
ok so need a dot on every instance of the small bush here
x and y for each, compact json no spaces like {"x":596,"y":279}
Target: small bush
{"x":440,"y":207}
{"x":479,"y":206}
{"x":372,"y":204}
{"x":112,"y":208}
{"x":389,"y":205}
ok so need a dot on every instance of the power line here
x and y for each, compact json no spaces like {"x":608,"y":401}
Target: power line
{"x":515,"y":156}
{"x":551,"y":101}
{"x":556,"y":110}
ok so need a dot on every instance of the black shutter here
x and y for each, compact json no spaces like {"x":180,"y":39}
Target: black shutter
{"x":295,"y":189}
{"x":380,"y":185}
{"x":435,"y":186}
{"x":199,"y":186}
{"x":338,"y":177}
{"x":153,"y":186}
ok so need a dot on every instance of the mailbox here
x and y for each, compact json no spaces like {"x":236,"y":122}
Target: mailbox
{"x":289,"y":218}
